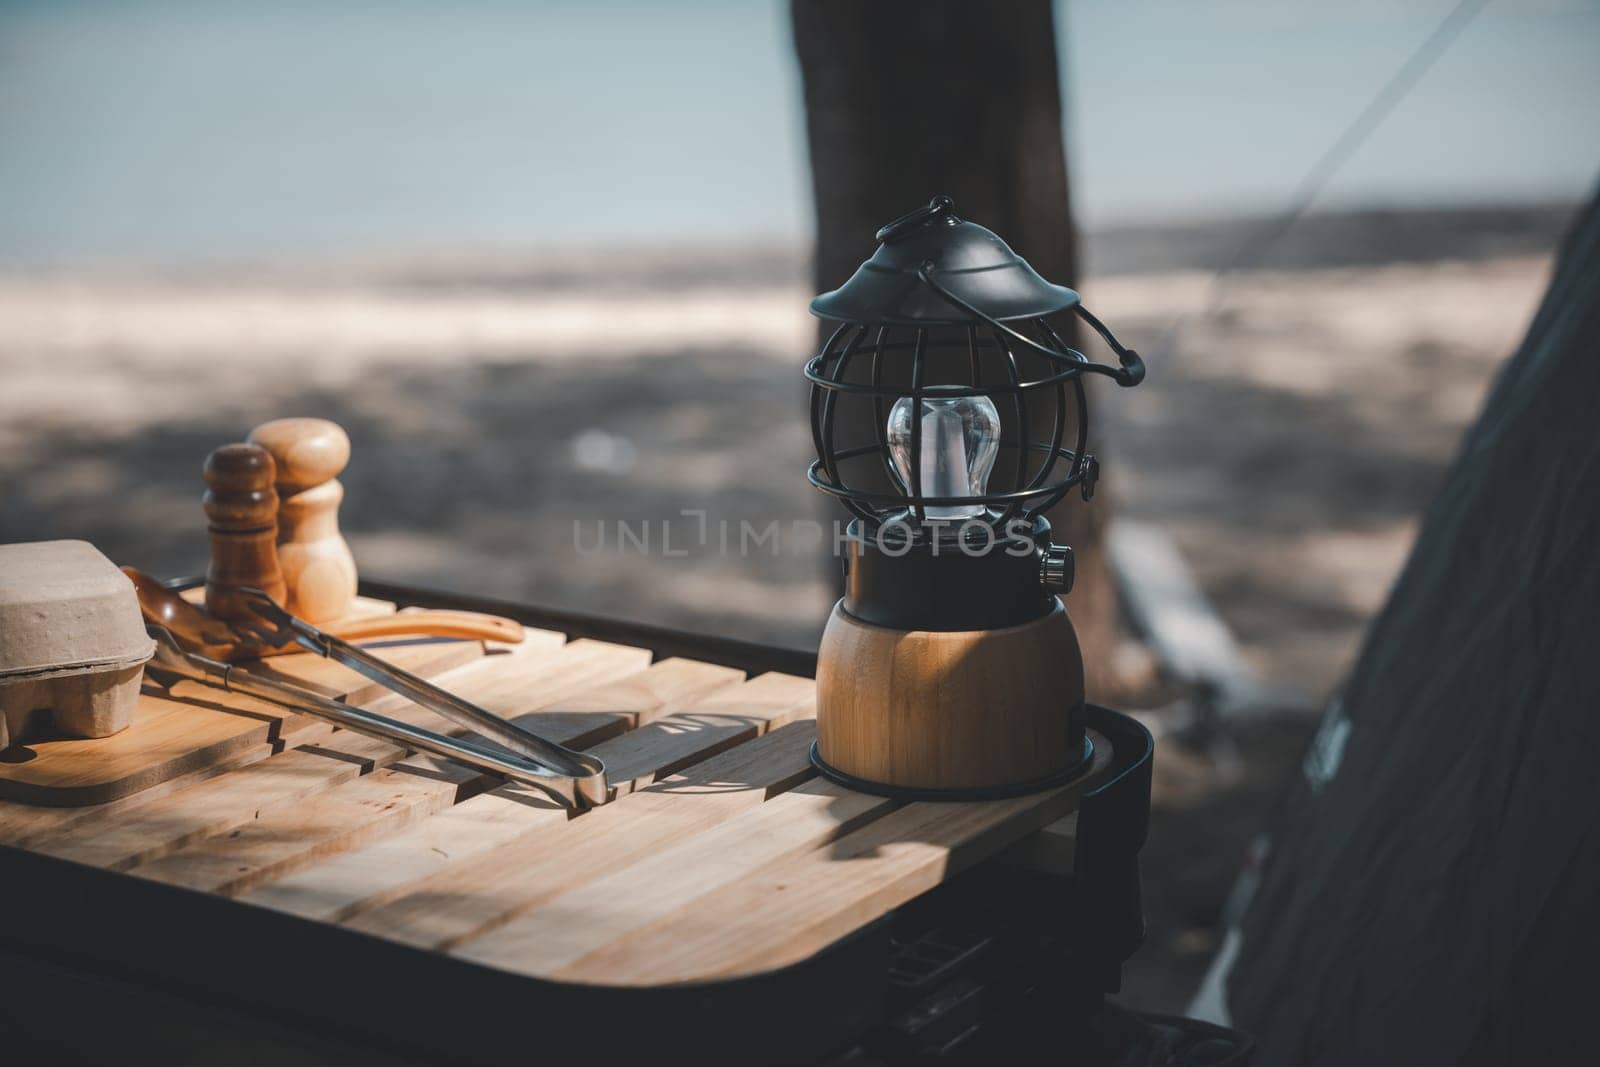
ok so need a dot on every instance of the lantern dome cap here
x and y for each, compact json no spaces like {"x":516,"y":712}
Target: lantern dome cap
{"x":969,"y":262}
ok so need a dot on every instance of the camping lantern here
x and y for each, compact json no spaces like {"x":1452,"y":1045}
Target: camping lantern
{"x":950,"y":669}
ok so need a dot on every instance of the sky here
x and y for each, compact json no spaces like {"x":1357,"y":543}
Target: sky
{"x":216,"y":130}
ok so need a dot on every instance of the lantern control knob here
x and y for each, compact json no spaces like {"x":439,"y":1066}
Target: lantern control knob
{"x":1056,"y":569}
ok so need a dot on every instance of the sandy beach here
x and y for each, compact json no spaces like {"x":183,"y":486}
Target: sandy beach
{"x":1287,"y":443}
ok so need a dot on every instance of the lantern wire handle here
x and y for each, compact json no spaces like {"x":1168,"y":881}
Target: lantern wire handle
{"x":1021,"y":404}
{"x":1130,"y":373}
{"x":880,"y":415}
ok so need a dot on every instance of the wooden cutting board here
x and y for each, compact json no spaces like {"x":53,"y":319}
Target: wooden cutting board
{"x":194,"y":729}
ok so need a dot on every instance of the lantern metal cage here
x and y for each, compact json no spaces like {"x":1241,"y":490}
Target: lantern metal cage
{"x":910,"y":325}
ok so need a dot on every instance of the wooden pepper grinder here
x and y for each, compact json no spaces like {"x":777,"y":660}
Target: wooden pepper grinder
{"x":242,"y":507}
{"x":316,"y":562}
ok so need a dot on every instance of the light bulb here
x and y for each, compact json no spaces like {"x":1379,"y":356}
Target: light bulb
{"x":960,"y":440}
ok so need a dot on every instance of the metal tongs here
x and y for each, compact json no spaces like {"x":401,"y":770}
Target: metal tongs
{"x":575,"y":778}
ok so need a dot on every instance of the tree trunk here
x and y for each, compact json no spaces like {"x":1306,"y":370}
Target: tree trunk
{"x":1430,"y":892}
{"x":909,"y":98}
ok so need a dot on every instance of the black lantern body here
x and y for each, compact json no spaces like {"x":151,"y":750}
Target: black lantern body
{"x":945,"y":314}
{"x":950,"y":669}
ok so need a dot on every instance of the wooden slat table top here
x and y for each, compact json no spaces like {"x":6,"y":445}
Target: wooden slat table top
{"x":724,"y":854}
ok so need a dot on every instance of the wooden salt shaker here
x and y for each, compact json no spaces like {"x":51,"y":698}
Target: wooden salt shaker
{"x":317,"y":565}
{"x":242,"y":507}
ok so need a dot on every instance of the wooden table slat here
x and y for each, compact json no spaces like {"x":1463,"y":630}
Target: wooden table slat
{"x":292,"y":834}
{"x":727,"y":718}
{"x":464,"y":900}
{"x":627,"y":897}
{"x":789,"y":910}
{"x":366,"y":877}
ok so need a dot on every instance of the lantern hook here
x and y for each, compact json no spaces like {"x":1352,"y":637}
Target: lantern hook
{"x":937,"y":207}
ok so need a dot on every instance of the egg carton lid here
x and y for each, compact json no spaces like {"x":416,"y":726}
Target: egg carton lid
{"x":64,"y":605}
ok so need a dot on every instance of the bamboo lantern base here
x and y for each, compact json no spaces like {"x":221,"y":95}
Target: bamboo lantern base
{"x":958,"y":714}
